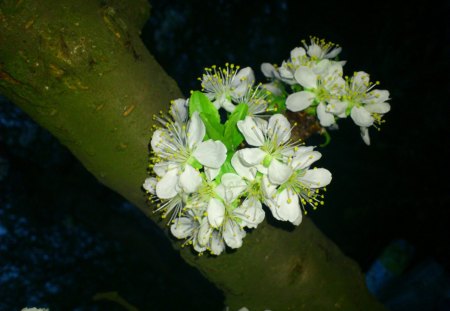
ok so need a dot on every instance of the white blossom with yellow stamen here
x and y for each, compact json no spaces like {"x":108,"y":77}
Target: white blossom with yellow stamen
{"x":179,"y":149}
{"x":287,"y":201}
{"x":221,"y":85}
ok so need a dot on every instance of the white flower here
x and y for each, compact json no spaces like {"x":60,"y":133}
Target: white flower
{"x":255,"y":99}
{"x":301,"y":188}
{"x":318,"y":88}
{"x":310,"y":55}
{"x":272,"y":138}
{"x":188,"y":226}
{"x":179,"y":110}
{"x":366,"y":105}
{"x":221,"y":85}
{"x":178,"y":149}
{"x":227,"y":217}
{"x":319,"y":49}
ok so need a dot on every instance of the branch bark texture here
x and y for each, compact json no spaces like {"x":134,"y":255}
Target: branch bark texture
{"x":80,"y":70}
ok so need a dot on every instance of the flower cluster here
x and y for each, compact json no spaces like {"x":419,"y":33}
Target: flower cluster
{"x":319,"y":87}
{"x":222,"y":155}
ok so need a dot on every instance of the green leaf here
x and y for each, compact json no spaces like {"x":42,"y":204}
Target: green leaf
{"x":226,"y":167}
{"x":214,"y":130}
{"x":199,"y":102}
{"x":232,"y":136}
{"x":277,"y":104}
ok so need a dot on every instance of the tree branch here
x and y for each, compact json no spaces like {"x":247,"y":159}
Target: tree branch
{"x":80,"y":70}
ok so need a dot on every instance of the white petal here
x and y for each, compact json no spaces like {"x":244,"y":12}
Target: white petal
{"x":244,"y":171}
{"x":269,"y":70}
{"x":178,"y":110}
{"x":334,"y":69}
{"x":285,"y":72}
{"x":298,"y":221}
{"x":288,"y":207}
{"x":306,"y":77}
{"x":159,"y":139}
{"x":226,"y":104}
{"x":322,"y":67}
{"x":211,"y":153}
{"x":233,"y":234}
{"x":377,"y":96}
{"x":315,"y":50}
{"x":336,"y":107}
{"x":272,"y":88}
{"x":252,"y":133}
{"x":166,"y":188}
{"x":211,"y":173}
{"x":234,"y":184}
{"x":268,"y":189}
{"x":273,"y":208}
{"x":299,"y":101}
{"x":161,"y":168}
{"x":196,"y":130}
{"x":303,"y":149}
{"x":279,"y":172}
{"x":251,"y":156}
{"x":297,"y":54}
{"x":326,"y":119}
{"x":380,"y":108}
{"x":196,"y":244}
{"x":333,"y":53}
{"x":360,"y":81}
{"x":316,"y":178}
{"x":190,"y":179}
{"x":250,"y":212}
{"x":304,"y":160}
{"x":182,"y":227}
{"x":279,"y":128}
{"x":217,"y":244}
{"x":204,"y":233}
{"x":244,"y":76}
{"x":262,"y":169}
{"x":365,"y":135}
{"x":216,"y":212}
{"x":150,"y":185}
{"x":361,"y":116}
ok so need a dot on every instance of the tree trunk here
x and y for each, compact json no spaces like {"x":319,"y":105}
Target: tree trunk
{"x":80,"y":70}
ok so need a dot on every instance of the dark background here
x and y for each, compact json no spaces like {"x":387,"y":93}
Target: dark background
{"x":65,"y":238}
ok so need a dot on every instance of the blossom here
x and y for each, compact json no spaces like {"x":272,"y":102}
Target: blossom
{"x":272,"y":140}
{"x":178,"y":149}
{"x":319,"y":49}
{"x":317,"y":89}
{"x":188,"y":226}
{"x":287,"y":200}
{"x":255,"y":99}
{"x":365,"y":104}
{"x":221,"y":85}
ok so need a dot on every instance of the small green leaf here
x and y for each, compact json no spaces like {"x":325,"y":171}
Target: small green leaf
{"x":296,"y":88}
{"x":226,"y":167}
{"x":232,"y":136}
{"x":214,"y":129}
{"x":199,"y":102}
{"x":311,"y":110}
{"x":277,"y":104}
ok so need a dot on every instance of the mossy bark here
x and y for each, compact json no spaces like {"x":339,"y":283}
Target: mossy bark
{"x":80,"y":70}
